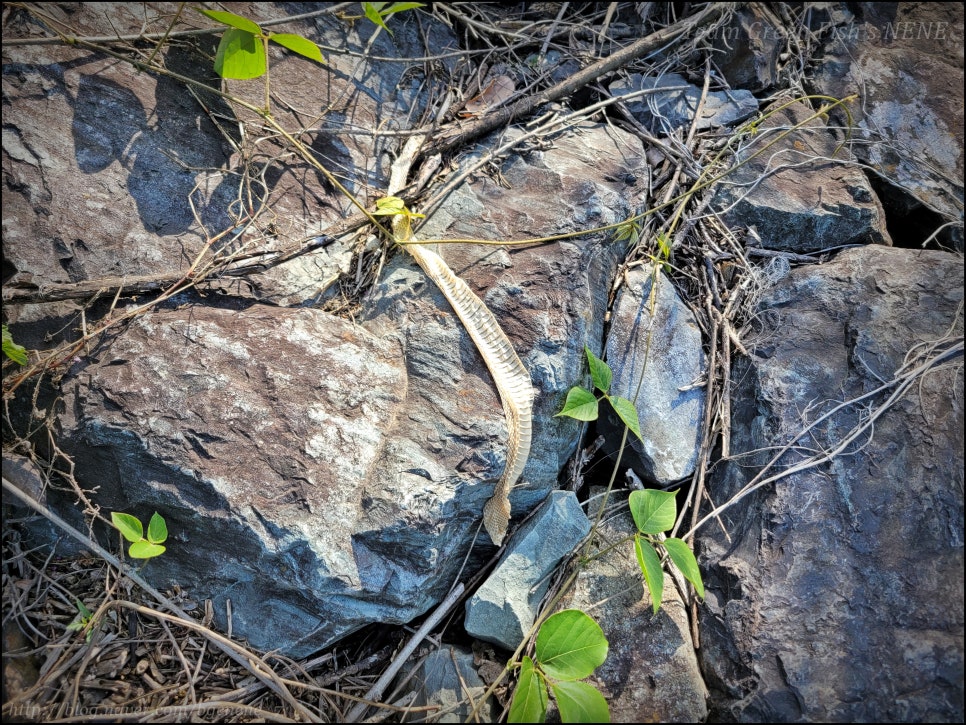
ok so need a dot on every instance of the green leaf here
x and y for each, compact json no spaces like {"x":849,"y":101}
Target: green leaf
{"x":650,"y":564}
{"x":12,"y":350}
{"x":664,"y":246}
{"x":530,"y":699}
{"x":145,"y":550}
{"x":128,"y":525}
{"x":683,"y":559}
{"x":157,"y":529}
{"x":599,"y":371}
{"x":82,"y":608}
{"x":240,"y":55}
{"x":580,"y":702}
{"x":581,"y":404}
{"x":388,"y":205}
{"x":570,"y":645}
{"x":626,"y":230}
{"x":399,"y":7}
{"x":653,"y":511}
{"x":298,"y":44}
{"x":235,"y":21}
{"x":372,"y":12}
{"x":627,"y":412}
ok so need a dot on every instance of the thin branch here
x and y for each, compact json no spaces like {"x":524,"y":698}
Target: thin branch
{"x":456,"y":135}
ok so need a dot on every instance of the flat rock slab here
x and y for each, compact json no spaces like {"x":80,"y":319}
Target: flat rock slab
{"x":799,"y":194}
{"x":505,"y":606}
{"x":656,"y":358}
{"x":664,"y":111}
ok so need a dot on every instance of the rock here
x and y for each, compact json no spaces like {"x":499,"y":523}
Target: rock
{"x":447,"y":678}
{"x":907,"y":61}
{"x":664,"y":112}
{"x":839,"y":596}
{"x":156,"y":153}
{"x":98,"y":202}
{"x":666,"y":350}
{"x":256,"y":434}
{"x":747,"y":47}
{"x":808,"y":205}
{"x":651,"y":672}
{"x":506,"y":605}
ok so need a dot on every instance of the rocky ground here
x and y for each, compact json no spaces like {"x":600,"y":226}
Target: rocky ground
{"x":752,"y":213}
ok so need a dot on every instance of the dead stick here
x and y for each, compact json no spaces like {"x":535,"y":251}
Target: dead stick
{"x":456,"y":135}
{"x":376,"y":691}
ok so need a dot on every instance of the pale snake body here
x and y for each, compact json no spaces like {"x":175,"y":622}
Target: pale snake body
{"x":511,"y":377}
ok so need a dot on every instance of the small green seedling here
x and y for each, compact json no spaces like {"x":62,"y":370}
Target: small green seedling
{"x":582,"y":404}
{"x":570,"y":646}
{"x":243,"y":50}
{"x":131,"y":529}
{"x":83,"y":622}
{"x":379,"y":12}
{"x":393,"y":205}
{"x":12,"y":350}
{"x":654,"y":513}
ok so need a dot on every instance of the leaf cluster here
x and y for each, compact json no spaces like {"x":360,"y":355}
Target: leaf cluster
{"x":142,"y":547}
{"x":242,"y":52}
{"x":654,"y":513}
{"x":569,"y":647}
{"x":583,"y":404}
{"x":83,"y":621}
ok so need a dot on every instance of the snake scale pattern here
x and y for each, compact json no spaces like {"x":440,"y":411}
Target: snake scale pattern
{"x":511,"y":377}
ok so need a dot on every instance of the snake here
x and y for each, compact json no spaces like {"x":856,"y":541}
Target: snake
{"x":510,"y":375}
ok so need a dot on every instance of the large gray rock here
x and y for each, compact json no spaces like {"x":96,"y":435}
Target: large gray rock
{"x":906,"y":60}
{"x":796,"y":196}
{"x":839,"y":596}
{"x":257,"y":435}
{"x":659,"y":359}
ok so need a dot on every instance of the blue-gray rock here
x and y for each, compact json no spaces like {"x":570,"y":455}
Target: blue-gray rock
{"x":664,"y":111}
{"x":660,"y":356}
{"x":506,"y":605}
